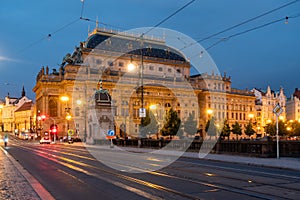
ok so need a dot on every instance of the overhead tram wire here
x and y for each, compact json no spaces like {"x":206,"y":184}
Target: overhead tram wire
{"x":167,"y":18}
{"x":105,"y":24}
{"x":50,"y":34}
{"x":250,"y":30}
{"x":255,"y":28}
{"x":155,"y":26}
{"x":242,"y":23}
{"x":61,"y":28}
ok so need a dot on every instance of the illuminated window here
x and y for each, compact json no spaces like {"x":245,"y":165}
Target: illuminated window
{"x":52,"y":106}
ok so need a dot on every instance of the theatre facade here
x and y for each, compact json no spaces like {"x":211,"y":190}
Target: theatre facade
{"x":138,"y":74}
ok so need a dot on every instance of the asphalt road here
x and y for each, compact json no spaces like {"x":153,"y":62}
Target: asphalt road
{"x":69,"y":171}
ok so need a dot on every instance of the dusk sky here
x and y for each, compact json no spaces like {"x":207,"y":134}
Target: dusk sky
{"x":267,"y":56}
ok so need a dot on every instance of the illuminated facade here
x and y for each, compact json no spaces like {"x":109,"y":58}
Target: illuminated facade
{"x":163,"y":74}
{"x":12,"y":120}
{"x":159,"y":79}
{"x":217,"y":99}
{"x":293,"y":106}
{"x":24,"y":120}
{"x":265,"y":103}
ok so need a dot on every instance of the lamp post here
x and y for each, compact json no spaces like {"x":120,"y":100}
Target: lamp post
{"x":131,"y":67}
{"x":67,"y":110}
{"x":83,"y":104}
{"x":39,"y":118}
{"x":209,"y":113}
{"x":68,"y":118}
{"x":251,"y":116}
{"x":54,"y":125}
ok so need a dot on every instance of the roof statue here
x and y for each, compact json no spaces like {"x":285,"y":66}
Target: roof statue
{"x":75,"y":58}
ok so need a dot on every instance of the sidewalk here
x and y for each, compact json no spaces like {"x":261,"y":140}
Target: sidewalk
{"x":13,"y":185}
{"x":281,"y":163}
{"x":16,"y":183}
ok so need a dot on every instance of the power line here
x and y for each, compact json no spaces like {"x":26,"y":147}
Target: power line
{"x":242,"y":23}
{"x":56,"y":31}
{"x":104,"y":24}
{"x":167,"y":18}
{"x":252,"y":29}
{"x":50,"y":34}
{"x":249,"y":30}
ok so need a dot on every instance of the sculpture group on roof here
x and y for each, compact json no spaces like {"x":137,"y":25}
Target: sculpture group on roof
{"x":75,"y":58}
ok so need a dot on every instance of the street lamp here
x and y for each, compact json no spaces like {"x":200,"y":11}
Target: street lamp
{"x":67,"y":110}
{"x":156,"y":110}
{"x":281,"y":118}
{"x":131,"y":67}
{"x":251,"y":116}
{"x":83,"y":104}
{"x":68,"y":118}
{"x":209,"y":112}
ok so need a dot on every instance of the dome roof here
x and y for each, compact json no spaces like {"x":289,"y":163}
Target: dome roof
{"x":132,"y":45}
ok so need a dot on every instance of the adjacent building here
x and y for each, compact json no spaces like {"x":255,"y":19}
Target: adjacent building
{"x":17,"y":114}
{"x":217,"y":98}
{"x":293,"y":106}
{"x":264,"y":105}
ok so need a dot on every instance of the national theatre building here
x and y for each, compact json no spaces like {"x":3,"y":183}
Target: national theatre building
{"x":136,"y":74}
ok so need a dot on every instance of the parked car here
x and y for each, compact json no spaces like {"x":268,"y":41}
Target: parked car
{"x":45,"y":140}
{"x":23,"y":136}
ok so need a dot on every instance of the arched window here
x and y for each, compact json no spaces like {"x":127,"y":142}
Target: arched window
{"x":77,"y":112}
{"x":52,"y":106}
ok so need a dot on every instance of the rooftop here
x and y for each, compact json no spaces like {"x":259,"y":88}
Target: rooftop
{"x":25,"y":106}
{"x":131,"y":44}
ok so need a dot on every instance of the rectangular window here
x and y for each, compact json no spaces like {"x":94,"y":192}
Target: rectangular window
{"x":110,"y":63}
{"x":160,"y":69}
{"x":151,"y":68}
{"x":98,"y":62}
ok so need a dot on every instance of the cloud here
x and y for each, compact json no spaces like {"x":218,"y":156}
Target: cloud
{"x":2,"y":58}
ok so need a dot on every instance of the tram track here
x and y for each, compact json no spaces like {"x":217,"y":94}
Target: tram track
{"x":213,"y":185}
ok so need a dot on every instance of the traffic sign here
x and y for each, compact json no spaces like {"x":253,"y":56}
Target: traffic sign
{"x":110,"y":137}
{"x":277,"y":110}
{"x":142,"y":112}
{"x":110,"y":133}
{"x":70,"y":132}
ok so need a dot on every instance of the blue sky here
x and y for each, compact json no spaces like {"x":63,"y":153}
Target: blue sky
{"x":267,"y":56}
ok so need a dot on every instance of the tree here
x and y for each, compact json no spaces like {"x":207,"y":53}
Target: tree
{"x":226,"y":130}
{"x":210,"y":127}
{"x":148,"y":125}
{"x":271,"y":129}
{"x":295,"y":128}
{"x":236,"y":129}
{"x":172,"y":123}
{"x":190,"y":125}
{"x":282,"y":129}
{"x":249,"y":130}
